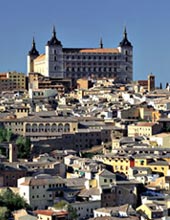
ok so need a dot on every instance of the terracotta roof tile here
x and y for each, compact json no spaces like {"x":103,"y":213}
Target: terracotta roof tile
{"x":100,"y":50}
{"x":51,"y":212}
{"x":41,"y":57}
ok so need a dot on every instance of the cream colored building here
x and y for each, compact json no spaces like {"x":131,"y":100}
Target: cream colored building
{"x":163,"y":104}
{"x":12,"y":81}
{"x":143,"y":129}
{"x":39,"y":125}
{"x":162,"y":139}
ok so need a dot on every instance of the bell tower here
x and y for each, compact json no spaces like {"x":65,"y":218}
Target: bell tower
{"x":151,"y":82}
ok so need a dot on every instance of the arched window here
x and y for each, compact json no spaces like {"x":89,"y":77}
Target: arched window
{"x":60,"y":127}
{"x":41,"y":127}
{"x":67,"y":128}
{"x":28,"y":127}
{"x":47,"y":127}
{"x":54,"y":127}
{"x":34,"y":128}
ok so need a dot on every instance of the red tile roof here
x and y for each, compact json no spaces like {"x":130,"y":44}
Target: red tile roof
{"x":100,"y":50}
{"x":51,"y":212}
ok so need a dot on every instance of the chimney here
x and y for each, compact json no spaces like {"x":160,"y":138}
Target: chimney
{"x":13,"y":151}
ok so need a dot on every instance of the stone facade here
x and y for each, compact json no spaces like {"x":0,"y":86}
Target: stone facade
{"x":74,"y":63}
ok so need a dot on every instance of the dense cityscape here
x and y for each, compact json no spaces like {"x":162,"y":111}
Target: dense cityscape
{"x":81,"y":139}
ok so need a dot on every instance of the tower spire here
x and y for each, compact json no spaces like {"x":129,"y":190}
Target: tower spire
{"x":33,"y":42}
{"x":33,"y":50}
{"x":54,"y":41}
{"x":125,"y":41}
{"x":125,"y":33}
{"x":54,"y":31}
{"x":101,"y":43}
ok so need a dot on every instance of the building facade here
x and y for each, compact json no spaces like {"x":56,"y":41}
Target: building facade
{"x":59,"y":62}
{"x":12,"y":81}
{"x":144,"y":129}
{"x":40,"y":191}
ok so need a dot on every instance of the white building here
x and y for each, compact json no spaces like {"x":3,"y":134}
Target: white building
{"x":40,"y":191}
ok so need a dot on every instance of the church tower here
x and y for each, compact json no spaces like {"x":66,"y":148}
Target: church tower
{"x":126,"y":49}
{"x":151,"y":82}
{"x":32,"y":54}
{"x":54,"y":57}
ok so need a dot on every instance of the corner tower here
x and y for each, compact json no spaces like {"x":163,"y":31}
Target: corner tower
{"x":32,"y":54}
{"x":126,"y":49}
{"x":54,"y":57}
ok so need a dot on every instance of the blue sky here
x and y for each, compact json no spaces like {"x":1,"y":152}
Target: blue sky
{"x":82,"y":23}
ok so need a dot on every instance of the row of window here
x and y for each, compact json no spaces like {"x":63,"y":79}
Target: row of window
{"x":118,"y":160}
{"x":33,"y":197}
{"x":50,"y":186}
{"x":108,"y":180}
{"x":93,"y":63}
{"x":99,"y":57}
{"x":91,"y":69}
{"x":48,"y":128}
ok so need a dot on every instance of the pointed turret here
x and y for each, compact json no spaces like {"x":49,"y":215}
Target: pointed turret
{"x":54,"y":31}
{"x":33,"y":51}
{"x":101,"y":43}
{"x":54,"y":41}
{"x":125,"y":41}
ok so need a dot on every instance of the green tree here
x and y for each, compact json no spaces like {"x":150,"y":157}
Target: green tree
{"x":5,"y":135}
{"x":60,"y":205}
{"x":8,"y":135}
{"x":160,"y":86}
{"x":72,"y":213}
{"x":2,"y":135}
{"x":24,"y":147}
{"x":10,"y":201}
{"x":4,"y":213}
